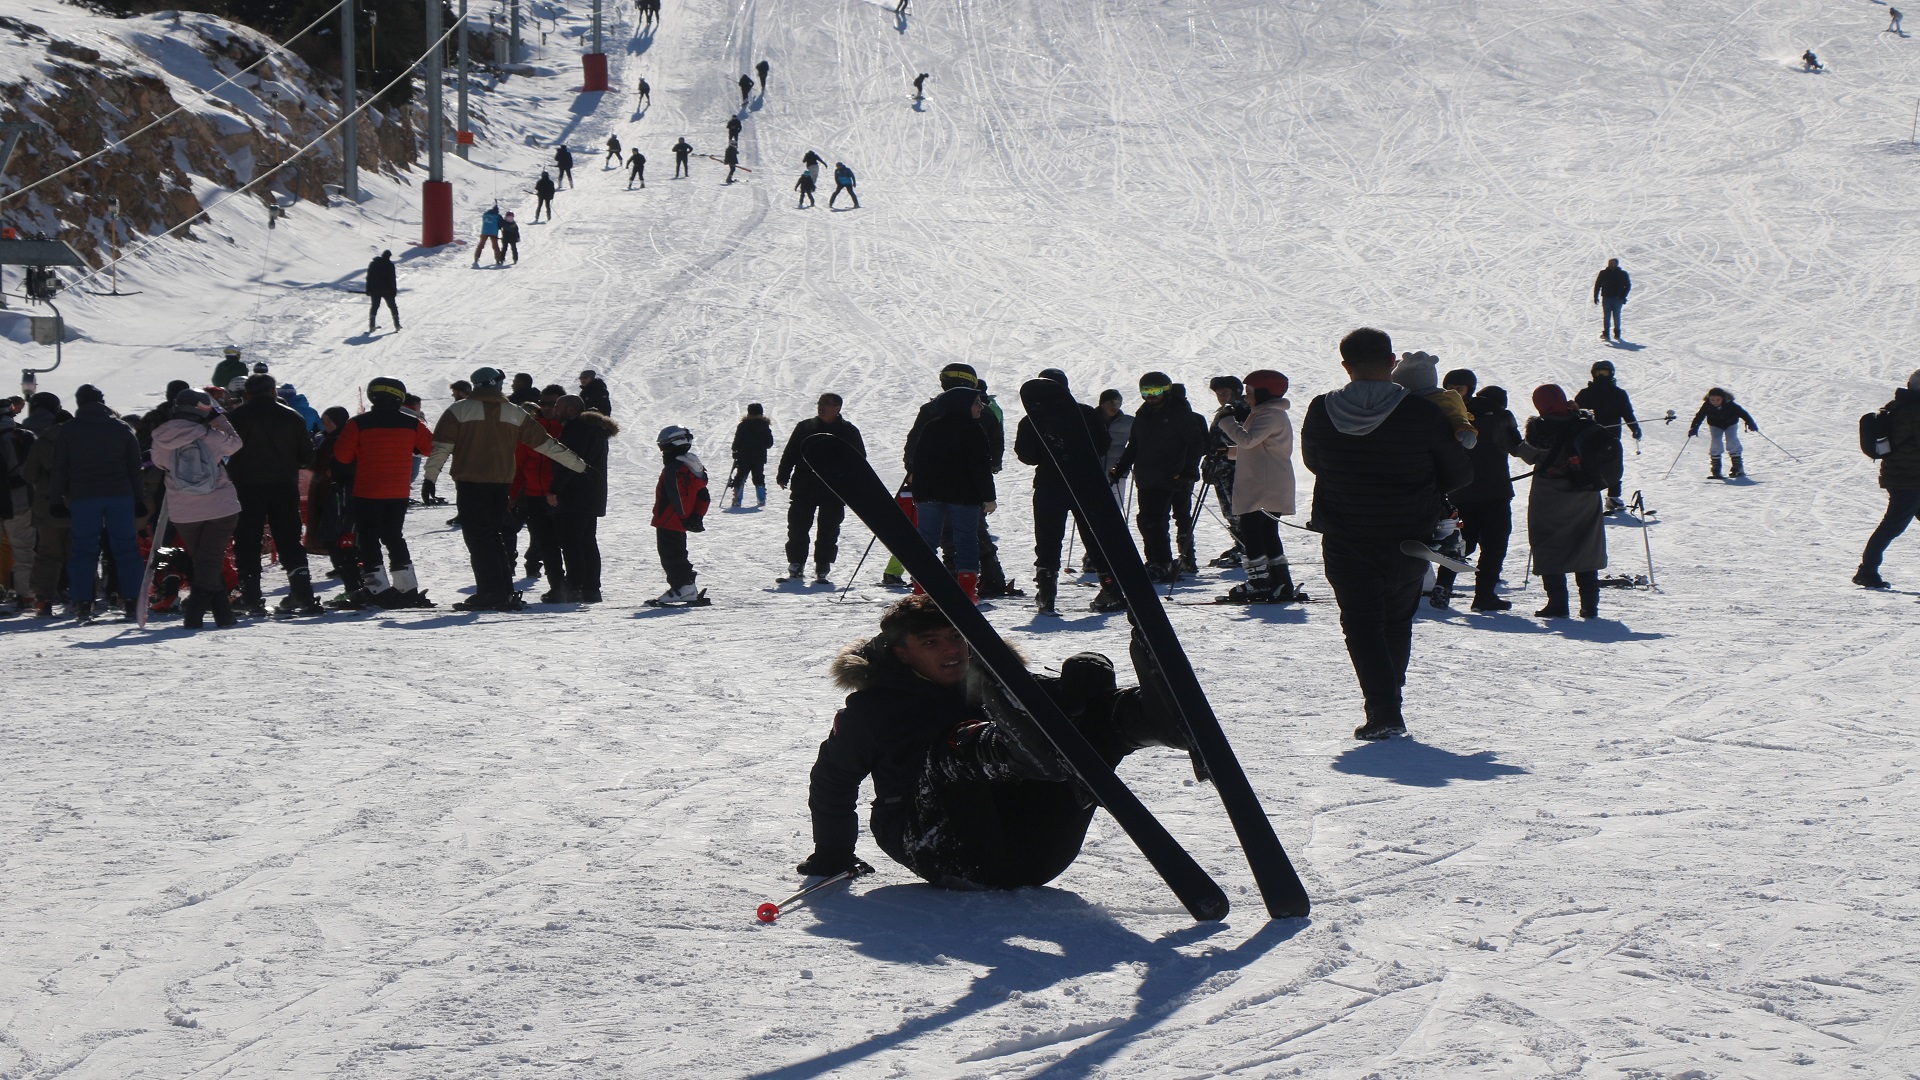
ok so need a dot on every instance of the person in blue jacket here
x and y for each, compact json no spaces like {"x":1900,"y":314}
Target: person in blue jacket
{"x":842,"y":181}
{"x":297,"y":401}
{"x":489,"y":233}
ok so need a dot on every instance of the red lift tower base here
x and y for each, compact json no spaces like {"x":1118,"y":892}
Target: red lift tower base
{"x":593,"y":67}
{"x":436,"y":219}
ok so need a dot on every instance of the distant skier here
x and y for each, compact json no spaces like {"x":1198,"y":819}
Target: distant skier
{"x":1611,"y":408}
{"x":842,"y":181}
{"x":509,"y":238}
{"x":804,"y":186}
{"x":612,"y":159}
{"x":682,"y":150}
{"x":382,"y":284}
{"x":1722,"y":413}
{"x":812,"y":163}
{"x":1899,"y":476}
{"x":543,"y":196}
{"x":752,"y":438}
{"x":636,"y":169}
{"x":680,"y":502}
{"x":920,"y":87}
{"x":1610,"y":288}
{"x":746,"y":88}
{"x":489,"y":234}
{"x":763,"y":68}
{"x":1893,"y":24}
{"x":1809,"y":62}
{"x":231,"y":367}
{"x":563,"y":160}
{"x":733,"y":130}
{"x":900,"y":9}
{"x":965,"y":794}
{"x":731,"y":159}
{"x":646,"y":94}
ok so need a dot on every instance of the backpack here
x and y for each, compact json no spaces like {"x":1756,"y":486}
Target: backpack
{"x":1876,"y":434}
{"x":1593,"y":461}
{"x":195,"y":470}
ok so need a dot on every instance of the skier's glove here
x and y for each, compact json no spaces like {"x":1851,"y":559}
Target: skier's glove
{"x":426,"y":491}
{"x":1753,"y":427}
{"x":1692,"y":431}
{"x":829,"y":863}
{"x":695,"y":524}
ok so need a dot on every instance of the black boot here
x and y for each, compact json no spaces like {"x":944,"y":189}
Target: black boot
{"x":1713,"y":471}
{"x":1589,"y":585}
{"x":1442,"y":588}
{"x":1739,"y":470}
{"x":1109,"y":597}
{"x":1046,"y":589}
{"x":193,"y":613}
{"x":1556,"y":585}
{"x":222,"y":609}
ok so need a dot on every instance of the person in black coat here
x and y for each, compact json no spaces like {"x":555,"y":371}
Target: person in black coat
{"x":382,"y":284}
{"x":266,"y":475}
{"x":1566,"y":525}
{"x":579,"y":499}
{"x":563,"y":162}
{"x":1722,"y":414}
{"x":1485,"y":506}
{"x":1384,"y":461}
{"x":543,"y":190}
{"x":810,"y":495}
{"x":1611,"y":407}
{"x":964,"y":798}
{"x":953,"y":480}
{"x":93,"y":481}
{"x":993,"y":579}
{"x":1163,"y":453}
{"x":682,"y":153}
{"x":593,"y":390}
{"x":1052,"y":504}
{"x":1610,"y":288}
{"x":752,"y":438}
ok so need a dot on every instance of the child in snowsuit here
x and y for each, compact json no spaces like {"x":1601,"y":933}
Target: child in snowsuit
{"x":680,"y":502}
{"x":613,"y":152}
{"x":751,"y":441}
{"x":804,"y":186}
{"x":637,"y":169}
{"x":510,"y":237}
{"x":1721,"y":414}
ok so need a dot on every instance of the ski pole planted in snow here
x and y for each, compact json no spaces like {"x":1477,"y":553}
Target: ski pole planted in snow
{"x":863,"y":555}
{"x":768,"y":912}
{"x":1676,"y":458}
{"x":1639,"y":506}
{"x":1776,"y":445}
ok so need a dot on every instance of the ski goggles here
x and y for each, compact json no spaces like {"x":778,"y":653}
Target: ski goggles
{"x":1154,"y":391}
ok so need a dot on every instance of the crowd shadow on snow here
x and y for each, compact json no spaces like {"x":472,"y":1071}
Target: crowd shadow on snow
{"x":1416,"y":764}
{"x":921,"y":925}
{"x":641,"y":41}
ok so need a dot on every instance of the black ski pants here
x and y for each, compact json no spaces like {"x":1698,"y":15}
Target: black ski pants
{"x":1157,"y":505}
{"x":275,"y":506}
{"x":543,"y":202}
{"x":543,"y":538}
{"x":1487,"y":526}
{"x":748,"y":468}
{"x":1051,"y":508}
{"x":1378,"y":589}
{"x":373,"y":313}
{"x":206,"y":544}
{"x":680,"y":167}
{"x":1259,"y":537}
{"x":673,"y":556}
{"x":801,"y":510}
{"x":579,"y":538}
{"x":381,"y":523}
{"x":1903,"y":506}
{"x":485,"y":517}
{"x":835,"y":197}
{"x":566,"y":176}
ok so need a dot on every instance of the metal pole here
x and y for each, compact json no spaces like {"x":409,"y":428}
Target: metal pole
{"x":436,"y":105}
{"x":1676,"y":458}
{"x":113,"y":268}
{"x":596,"y":27}
{"x":1915,"y":137}
{"x":460,"y":111}
{"x":349,"y":101}
{"x":513,"y":54}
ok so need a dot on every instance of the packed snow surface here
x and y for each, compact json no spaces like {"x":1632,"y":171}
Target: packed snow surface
{"x":1676,"y":841}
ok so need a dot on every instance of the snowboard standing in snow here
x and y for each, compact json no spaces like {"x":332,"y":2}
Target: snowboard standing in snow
{"x":1057,"y":416}
{"x":842,"y":468}
{"x":143,"y":605}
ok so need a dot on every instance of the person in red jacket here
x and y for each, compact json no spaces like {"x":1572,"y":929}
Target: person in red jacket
{"x":680,"y":502}
{"x":532,"y":484}
{"x":379,"y":446}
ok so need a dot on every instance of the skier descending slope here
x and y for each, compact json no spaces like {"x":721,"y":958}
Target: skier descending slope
{"x":1722,"y":414}
{"x":961,"y":797}
{"x":1611,"y":407}
{"x":1384,"y":460}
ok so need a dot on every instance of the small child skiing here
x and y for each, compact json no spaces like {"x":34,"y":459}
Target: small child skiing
{"x":751,"y":441}
{"x":613,"y":153}
{"x":1722,"y":413}
{"x":509,"y":238}
{"x":1809,"y":62}
{"x":680,"y":502}
{"x":804,"y":186}
{"x":637,"y":169}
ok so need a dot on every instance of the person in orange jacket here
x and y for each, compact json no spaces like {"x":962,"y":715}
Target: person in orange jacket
{"x":680,"y":502}
{"x":376,"y":449}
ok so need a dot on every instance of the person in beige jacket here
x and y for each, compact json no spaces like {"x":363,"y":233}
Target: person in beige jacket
{"x":480,"y":433}
{"x":1263,"y":488}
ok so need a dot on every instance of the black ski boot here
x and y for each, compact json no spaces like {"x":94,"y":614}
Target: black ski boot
{"x":1228,"y":559}
{"x":1109,"y":597}
{"x":222,"y":609}
{"x":1259,"y":586}
{"x":1488,"y":600}
{"x":1739,"y":470}
{"x":1589,"y":586}
{"x":1046,"y":590}
{"x":1869,"y":577}
{"x":1556,"y":586}
{"x":193,"y":613}
{"x":1713,"y":471}
{"x":1442,"y":589}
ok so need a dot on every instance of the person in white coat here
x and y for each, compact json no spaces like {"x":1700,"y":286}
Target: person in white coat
{"x":1263,"y":487}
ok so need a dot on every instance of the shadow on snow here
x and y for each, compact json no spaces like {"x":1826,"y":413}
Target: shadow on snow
{"x":1416,"y":764}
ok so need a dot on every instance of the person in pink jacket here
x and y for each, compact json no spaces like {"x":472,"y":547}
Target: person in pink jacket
{"x":202,"y":503}
{"x":1263,"y":487}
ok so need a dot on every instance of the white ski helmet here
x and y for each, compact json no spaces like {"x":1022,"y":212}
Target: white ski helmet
{"x":676,"y":437}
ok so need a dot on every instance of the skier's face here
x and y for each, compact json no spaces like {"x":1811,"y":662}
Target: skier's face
{"x":938,"y":656}
{"x":1716,"y":400}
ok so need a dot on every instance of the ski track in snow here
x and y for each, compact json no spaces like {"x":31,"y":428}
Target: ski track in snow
{"x":1672,"y":842}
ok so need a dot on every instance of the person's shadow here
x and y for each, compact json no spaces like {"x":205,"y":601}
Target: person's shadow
{"x":922,"y":925}
{"x":1416,"y":764}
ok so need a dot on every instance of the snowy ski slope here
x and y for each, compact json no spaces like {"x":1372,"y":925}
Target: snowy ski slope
{"x":1673,"y":842}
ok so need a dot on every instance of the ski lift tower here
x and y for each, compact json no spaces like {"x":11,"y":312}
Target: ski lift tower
{"x":40,"y":255}
{"x":593,"y":66}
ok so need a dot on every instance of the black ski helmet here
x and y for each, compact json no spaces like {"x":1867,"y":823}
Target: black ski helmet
{"x":676,"y":438}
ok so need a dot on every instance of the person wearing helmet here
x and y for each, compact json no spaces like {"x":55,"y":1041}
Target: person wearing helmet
{"x":1263,"y":488}
{"x":374,"y":455}
{"x":680,"y":502}
{"x":231,"y":367}
{"x":1610,"y":407}
{"x":1163,"y":453}
{"x":479,"y":435}
{"x":1217,"y":468}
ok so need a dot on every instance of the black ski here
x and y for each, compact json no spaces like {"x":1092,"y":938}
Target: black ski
{"x":842,"y":468}
{"x":1057,"y":416}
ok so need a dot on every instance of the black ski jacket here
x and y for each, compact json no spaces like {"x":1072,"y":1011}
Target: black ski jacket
{"x":585,"y":492}
{"x":597,"y":397}
{"x":1609,"y":404}
{"x":1028,"y":447}
{"x":1612,"y":283}
{"x":1499,"y":434}
{"x":951,"y":460}
{"x":751,"y":440}
{"x":1726,"y":415}
{"x":996,"y":433}
{"x":95,"y":455}
{"x":805,"y":484}
{"x":276,"y":444}
{"x":1900,"y":469}
{"x":1166,"y":444}
{"x":543,"y":187}
{"x":1388,"y":483}
{"x":380,"y":278}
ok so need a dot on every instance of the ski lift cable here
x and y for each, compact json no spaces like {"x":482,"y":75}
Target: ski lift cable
{"x":119,"y":143}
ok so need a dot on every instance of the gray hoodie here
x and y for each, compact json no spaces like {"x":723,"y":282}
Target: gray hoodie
{"x":1359,"y":407}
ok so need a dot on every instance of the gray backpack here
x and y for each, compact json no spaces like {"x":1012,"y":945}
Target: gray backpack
{"x":196,"y":471}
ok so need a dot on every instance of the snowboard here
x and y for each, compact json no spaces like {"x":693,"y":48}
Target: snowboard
{"x":143,"y":605}
{"x":699,"y":600}
{"x":843,"y":469}
{"x":1421,"y":551}
{"x":1057,"y":417}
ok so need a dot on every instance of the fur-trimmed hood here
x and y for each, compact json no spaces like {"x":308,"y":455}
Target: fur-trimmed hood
{"x":599,"y":421}
{"x":870,"y":664}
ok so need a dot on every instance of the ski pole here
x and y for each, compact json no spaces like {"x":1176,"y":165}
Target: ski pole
{"x":1639,"y":506}
{"x":1073,"y":533}
{"x":855,"y":576}
{"x":1776,"y":445}
{"x":768,"y":912}
{"x":1676,"y":457}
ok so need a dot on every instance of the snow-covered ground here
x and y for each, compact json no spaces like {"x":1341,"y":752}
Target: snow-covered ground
{"x":1673,"y":842}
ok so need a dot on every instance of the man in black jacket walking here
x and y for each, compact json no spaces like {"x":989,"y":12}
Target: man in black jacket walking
{"x":1611,"y":408}
{"x":811,"y":495}
{"x":266,"y":475}
{"x":382,"y":285}
{"x":93,"y":481}
{"x":1051,"y":503}
{"x":1610,"y":289}
{"x":1384,"y":461}
{"x":1163,"y":452}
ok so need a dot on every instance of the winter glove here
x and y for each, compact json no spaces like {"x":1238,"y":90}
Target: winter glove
{"x":829,"y":863}
{"x":1753,"y":427}
{"x":1692,"y":431}
{"x":426,"y":491}
{"x":1467,"y":438}
{"x":696,"y":524}
{"x":58,"y":508}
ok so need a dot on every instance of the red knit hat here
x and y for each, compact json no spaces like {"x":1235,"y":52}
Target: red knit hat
{"x":1550,"y":400}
